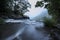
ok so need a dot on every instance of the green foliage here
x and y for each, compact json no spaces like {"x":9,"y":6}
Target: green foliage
{"x":53,"y":8}
{"x":39,"y":3}
{"x":50,"y":22}
{"x":13,"y":8}
{"x":10,"y":7}
{"x":4,"y":10}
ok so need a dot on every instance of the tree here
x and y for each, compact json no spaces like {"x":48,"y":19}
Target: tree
{"x":39,"y":3}
{"x":53,"y":8}
{"x":21,"y":7}
{"x":4,"y":10}
{"x":9,"y":8}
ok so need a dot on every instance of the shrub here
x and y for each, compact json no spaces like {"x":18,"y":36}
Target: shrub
{"x":50,"y":22}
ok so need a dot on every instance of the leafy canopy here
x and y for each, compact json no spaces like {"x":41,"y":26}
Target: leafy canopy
{"x":9,"y":8}
{"x":53,"y":7}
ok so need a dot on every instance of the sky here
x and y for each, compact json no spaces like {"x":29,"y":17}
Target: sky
{"x":33,"y":2}
{"x":33,"y":12}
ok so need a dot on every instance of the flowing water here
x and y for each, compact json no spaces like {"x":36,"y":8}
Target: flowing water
{"x":33,"y":30}
{"x":31,"y":33}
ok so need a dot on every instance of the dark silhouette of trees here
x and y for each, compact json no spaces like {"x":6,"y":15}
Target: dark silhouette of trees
{"x":13,"y":8}
{"x":53,"y":7}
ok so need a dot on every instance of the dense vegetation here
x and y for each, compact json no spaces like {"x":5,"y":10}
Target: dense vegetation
{"x":53,"y":24}
{"x":13,"y":8}
{"x":53,"y":7}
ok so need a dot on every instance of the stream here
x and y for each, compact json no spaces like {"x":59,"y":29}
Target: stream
{"x":31,"y":31}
